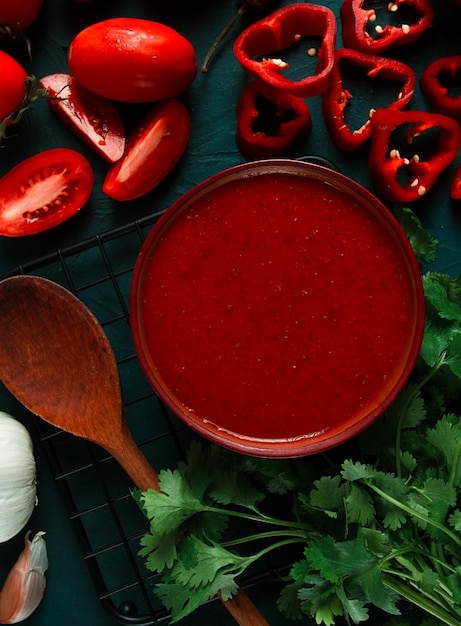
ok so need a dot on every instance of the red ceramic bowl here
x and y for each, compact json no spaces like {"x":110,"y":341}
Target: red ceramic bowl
{"x":277,"y":308}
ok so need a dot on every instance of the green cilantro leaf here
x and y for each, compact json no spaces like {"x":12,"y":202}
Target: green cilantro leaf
{"x":167,"y":509}
{"x":354,"y":608}
{"x":445,"y":437}
{"x":356,"y":471}
{"x":196,"y":469}
{"x":160,"y":550}
{"x":359,"y":506}
{"x":444,"y":293}
{"x":424,"y":245}
{"x":179,"y":600}
{"x":200,"y":563}
{"x":328,"y":494}
{"x":288,"y":602}
{"x":299,"y":571}
{"x":393,"y":486}
{"x":319,"y":599}
{"x":454,"y":582}
{"x":455,"y":520}
{"x":338,"y":559}
{"x":375,"y":591}
{"x":234,"y":488}
{"x":453,"y":356}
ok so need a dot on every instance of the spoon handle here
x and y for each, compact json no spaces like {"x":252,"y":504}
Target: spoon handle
{"x":133,"y":461}
{"x":243,"y":610}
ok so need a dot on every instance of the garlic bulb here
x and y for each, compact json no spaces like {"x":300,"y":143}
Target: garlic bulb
{"x":17,"y":477}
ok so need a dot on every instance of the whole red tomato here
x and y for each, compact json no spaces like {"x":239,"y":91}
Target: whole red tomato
{"x":132,"y":60}
{"x":12,"y":87}
{"x":19,"y":14}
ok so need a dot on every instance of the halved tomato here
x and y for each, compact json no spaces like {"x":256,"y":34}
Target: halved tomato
{"x":152,"y":150}
{"x":43,"y":191}
{"x":92,"y":118}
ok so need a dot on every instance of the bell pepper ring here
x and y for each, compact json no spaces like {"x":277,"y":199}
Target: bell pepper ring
{"x":403,"y":171}
{"x":270,"y":122}
{"x":260,"y":46}
{"x":435,"y":82}
{"x":401,"y":22}
{"x":339,"y":97}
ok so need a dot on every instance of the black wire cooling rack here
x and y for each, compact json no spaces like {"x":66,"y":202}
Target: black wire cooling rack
{"x":95,"y":491}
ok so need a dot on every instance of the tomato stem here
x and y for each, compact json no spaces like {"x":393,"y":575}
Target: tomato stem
{"x":9,"y":34}
{"x":32,"y":92}
{"x":227,"y":28}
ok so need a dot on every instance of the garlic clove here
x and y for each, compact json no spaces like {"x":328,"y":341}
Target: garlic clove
{"x":25,"y":584}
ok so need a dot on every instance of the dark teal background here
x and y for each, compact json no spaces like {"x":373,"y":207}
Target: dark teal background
{"x":70,"y":599}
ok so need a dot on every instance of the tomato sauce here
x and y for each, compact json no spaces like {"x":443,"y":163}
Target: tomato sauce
{"x":276,"y":308}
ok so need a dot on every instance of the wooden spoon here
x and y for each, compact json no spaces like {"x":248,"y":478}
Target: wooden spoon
{"x":55,"y":358}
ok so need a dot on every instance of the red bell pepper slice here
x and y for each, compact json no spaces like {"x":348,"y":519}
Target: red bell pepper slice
{"x":270,"y":122}
{"x":434,"y":83}
{"x":455,"y":185}
{"x":338,"y":97}
{"x":363,"y":28}
{"x":403,"y":170}
{"x":260,"y":46}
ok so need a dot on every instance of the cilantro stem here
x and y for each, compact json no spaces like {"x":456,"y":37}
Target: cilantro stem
{"x":258,"y":517}
{"x":275,"y":546}
{"x":453,"y":536}
{"x":454,"y":466}
{"x":410,"y":398}
{"x":298,"y":537}
{"x":420,"y":600}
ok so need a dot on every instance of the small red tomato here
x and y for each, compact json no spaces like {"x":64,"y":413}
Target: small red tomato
{"x":132,"y":60}
{"x":12,"y":87}
{"x":19,"y":14}
{"x":43,"y":191}
{"x":152,"y":150}
{"x":92,"y":118}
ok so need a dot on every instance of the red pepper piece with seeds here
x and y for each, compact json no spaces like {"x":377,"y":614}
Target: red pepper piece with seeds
{"x":261,"y":45}
{"x":364,"y":67}
{"x":437,"y":81}
{"x":377,"y":28}
{"x":409,"y":151}
{"x":270,"y":122}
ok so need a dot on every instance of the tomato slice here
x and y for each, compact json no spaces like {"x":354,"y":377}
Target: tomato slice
{"x":43,"y":191}
{"x":92,"y":118}
{"x":152,"y":150}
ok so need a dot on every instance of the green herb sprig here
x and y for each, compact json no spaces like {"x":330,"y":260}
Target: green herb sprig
{"x":374,"y":523}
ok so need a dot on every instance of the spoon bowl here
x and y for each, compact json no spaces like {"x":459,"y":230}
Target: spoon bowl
{"x":57,"y":361}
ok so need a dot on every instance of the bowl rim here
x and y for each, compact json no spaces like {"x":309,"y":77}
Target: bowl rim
{"x":304,"y":445}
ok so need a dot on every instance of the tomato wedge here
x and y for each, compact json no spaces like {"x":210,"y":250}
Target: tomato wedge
{"x":92,"y":118}
{"x":152,"y":150}
{"x":43,"y":191}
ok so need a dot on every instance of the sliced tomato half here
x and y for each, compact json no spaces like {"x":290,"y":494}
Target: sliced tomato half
{"x":43,"y":191}
{"x":92,"y":118}
{"x":152,"y":150}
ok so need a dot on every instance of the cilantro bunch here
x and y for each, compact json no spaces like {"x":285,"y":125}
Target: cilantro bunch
{"x":374,"y":523}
